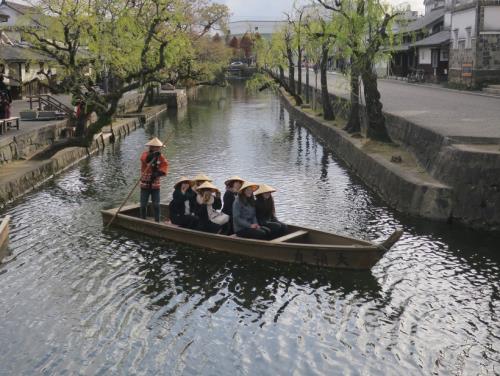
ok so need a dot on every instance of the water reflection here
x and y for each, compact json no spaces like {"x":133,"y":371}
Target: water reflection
{"x":79,"y":299}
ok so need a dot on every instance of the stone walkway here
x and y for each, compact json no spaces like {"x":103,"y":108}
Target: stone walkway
{"x":452,"y":113}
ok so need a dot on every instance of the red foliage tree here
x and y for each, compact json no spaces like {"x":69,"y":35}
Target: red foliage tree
{"x":246,"y":45}
{"x":216,"y":38}
{"x":234,"y":43}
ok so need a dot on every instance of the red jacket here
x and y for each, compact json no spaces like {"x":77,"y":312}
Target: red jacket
{"x":147,"y":181}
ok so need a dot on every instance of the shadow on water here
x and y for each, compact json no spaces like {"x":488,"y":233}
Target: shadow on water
{"x":250,"y":283}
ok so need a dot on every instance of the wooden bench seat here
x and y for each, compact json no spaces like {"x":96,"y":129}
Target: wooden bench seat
{"x":8,"y":123}
{"x":292,"y":235}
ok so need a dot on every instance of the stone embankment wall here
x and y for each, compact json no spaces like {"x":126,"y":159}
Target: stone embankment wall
{"x":25,"y":144}
{"x":401,"y":191}
{"x":28,"y":175}
{"x":469,"y":166}
{"x":38,"y":172}
{"x":174,"y":99}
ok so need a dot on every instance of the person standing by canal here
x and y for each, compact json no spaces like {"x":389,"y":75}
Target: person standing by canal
{"x":153,"y":166}
{"x":5,"y":100}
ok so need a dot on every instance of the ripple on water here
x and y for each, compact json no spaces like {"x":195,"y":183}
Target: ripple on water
{"x":77,"y":298}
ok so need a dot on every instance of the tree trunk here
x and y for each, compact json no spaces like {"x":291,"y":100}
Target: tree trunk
{"x":283,"y":83}
{"x":307,"y":84}
{"x":354,"y":122}
{"x":291,"y":71}
{"x":147,"y":93}
{"x":282,"y":73}
{"x":328,"y":113}
{"x":376,"y":120}
{"x":299,"y":71}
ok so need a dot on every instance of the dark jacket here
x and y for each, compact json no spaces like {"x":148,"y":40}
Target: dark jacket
{"x":243,"y":215}
{"x":265,"y":210}
{"x":201,"y":210}
{"x":228,"y":202}
{"x":178,"y":204}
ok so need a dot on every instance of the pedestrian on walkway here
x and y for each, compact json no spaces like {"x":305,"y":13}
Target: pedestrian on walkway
{"x":5,"y":100}
{"x":153,"y":166}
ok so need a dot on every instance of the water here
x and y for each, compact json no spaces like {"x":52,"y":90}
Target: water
{"x":78,"y":299}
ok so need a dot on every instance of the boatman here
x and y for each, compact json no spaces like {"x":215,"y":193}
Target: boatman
{"x":153,"y":166}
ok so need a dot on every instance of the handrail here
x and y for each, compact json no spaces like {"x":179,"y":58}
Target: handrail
{"x":51,"y":102}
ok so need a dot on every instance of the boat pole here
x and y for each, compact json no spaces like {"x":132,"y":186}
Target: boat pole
{"x":167,"y":140}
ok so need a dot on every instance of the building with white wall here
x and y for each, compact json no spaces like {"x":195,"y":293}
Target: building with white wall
{"x":475,"y":41}
{"x":19,"y":64}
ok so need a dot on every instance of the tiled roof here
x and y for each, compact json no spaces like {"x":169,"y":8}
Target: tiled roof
{"x":20,"y":54}
{"x":21,"y":8}
{"x":421,"y":22}
{"x":435,"y":39}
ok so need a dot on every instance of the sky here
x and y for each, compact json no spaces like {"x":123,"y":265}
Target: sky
{"x":273,"y":9}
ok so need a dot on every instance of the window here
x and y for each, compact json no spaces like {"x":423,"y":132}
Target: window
{"x":27,"y":67}
{"x":444,"y":55}
{"x":455,"y":38}
{"x":461,"y":44}
{"x":468,"y":42}
{"x":2,"y":68}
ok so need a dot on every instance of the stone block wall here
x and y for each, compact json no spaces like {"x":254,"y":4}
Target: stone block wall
{"x":23,"y":145}
{"x":484,"y":56}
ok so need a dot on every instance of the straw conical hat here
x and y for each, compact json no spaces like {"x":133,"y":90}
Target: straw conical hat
{"x":247,"y":184}
{"x":183,"y":179}
{"x":207,"y":185}
{"x":154,"y":142}
{"x":234,"y":178}
{"x":201,"y":177}
{"x":264,"y":188}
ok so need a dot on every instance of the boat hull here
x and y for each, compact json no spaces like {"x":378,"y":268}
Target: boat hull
{"x":352,"y":254}
{"x":4,"y":235}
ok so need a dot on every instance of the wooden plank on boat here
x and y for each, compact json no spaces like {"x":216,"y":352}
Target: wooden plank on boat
{"x":293,"y":235}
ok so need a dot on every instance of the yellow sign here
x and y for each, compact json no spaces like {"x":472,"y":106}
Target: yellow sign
{"x":466,"y":70}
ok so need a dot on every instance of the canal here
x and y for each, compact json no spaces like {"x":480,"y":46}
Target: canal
{"x":78,"y":299}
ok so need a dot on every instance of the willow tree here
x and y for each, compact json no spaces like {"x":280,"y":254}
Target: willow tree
{"x":368,"y":28}
{"x":272,"y":60}
{"x":296,"y":24}
{"x":135,"y":43}
{"x":322,"y":35}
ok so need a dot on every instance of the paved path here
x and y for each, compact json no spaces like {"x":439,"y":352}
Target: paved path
{"x":26,"y":126}
{"x":448,"y":112}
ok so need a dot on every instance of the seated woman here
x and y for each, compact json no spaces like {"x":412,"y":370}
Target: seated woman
{"x":265,"y":211}
{"x":233,"y":185}
{"x":199,"y":180}
{"x":206,"y":209}
{"x":183,"y":204}
{"x":244,"y":219}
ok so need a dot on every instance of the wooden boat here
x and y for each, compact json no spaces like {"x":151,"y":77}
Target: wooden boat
{"x":299,"y":245}
{"x":4,"y":235}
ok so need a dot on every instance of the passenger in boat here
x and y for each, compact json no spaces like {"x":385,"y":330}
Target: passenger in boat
{"x":199,"y":180}
{"x":153,"y":166}
{"x":207,"y":203}
{"x":233,"y":185}
{"x":244,"y":217}
{"x":183,"y":204}
{"x":265,"y":211}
